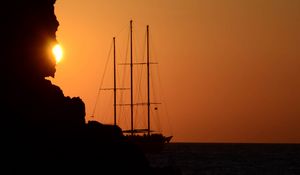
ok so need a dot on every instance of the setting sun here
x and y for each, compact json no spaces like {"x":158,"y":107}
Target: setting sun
{"x":58,"y":53}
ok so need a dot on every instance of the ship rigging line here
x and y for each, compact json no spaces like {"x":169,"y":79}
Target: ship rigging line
{"x":162,"y":94}
{"x":102,"y":79}
{"x":122,"y":100}
{"x":139,"y":85}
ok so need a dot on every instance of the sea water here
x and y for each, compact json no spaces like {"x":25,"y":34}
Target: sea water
{"x":229,"y":159}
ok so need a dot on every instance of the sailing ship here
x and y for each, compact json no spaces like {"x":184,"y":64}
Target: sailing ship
{"x":147,"y":139}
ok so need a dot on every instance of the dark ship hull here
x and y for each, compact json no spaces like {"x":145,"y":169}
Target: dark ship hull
{"x":153,"y":143}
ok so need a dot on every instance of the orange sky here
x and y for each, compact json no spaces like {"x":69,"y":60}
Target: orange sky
{"x":230,"y":70}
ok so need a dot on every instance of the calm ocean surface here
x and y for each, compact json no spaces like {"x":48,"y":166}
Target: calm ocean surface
{"x":216,"y":158}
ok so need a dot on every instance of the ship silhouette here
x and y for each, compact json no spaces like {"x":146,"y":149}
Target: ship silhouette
{"x":147,"y":139}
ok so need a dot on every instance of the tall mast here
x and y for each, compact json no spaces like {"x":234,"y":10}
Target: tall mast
{"x":131,"y":78}
{"x":148,"y":79}
{"x":115,"y":84}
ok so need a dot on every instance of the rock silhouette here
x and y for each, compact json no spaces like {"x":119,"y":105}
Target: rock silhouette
{"x":42,"y":130}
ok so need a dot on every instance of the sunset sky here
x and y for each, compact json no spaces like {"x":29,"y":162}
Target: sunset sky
{"x":230,"y":69}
